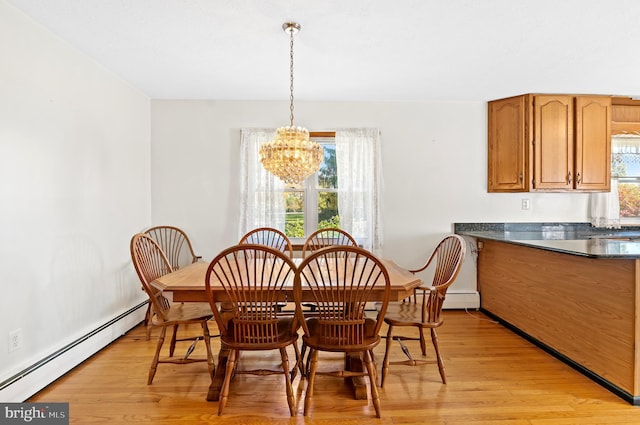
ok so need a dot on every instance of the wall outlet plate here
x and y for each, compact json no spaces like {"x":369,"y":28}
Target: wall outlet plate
{"x":15,"y":340}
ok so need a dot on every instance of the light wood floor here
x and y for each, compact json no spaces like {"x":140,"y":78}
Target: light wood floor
{"x":494,"y":377}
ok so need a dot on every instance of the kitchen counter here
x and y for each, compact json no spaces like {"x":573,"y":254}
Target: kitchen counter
{"x":569,"y":288}
{"x":570,"y":238}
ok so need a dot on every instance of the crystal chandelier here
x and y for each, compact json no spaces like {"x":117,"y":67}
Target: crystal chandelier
{"x":291,"y":156}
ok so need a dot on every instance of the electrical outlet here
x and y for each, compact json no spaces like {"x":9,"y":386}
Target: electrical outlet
{"x":526,"y":204}
{"x":15,"y":340}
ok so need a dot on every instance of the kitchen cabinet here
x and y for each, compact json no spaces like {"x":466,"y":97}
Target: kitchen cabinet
{"x":543,"y":142}
{"x":625,"y":115}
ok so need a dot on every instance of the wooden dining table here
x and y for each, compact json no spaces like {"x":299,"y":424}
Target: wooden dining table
{"x":187,"y":284}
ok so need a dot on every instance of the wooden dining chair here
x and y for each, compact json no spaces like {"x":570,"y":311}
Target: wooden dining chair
{"x":270,"y":237}
{"x":176,"y":246}
{"x":151,"y":263}
{"x":341,"y":280}
{"x":275,"y":239}
{"x":424,"y":309}
{"x":253,"y":277}
{"x":323,"y":238}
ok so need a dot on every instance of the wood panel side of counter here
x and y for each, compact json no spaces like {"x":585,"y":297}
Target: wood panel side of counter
{"x":636,"y":375}
{"x":584,"y":308}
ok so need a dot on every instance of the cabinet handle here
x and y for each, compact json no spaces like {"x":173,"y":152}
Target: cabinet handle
{"x":521,"y":177}
{"x":569,"y":177}
{"x":578,"y":178}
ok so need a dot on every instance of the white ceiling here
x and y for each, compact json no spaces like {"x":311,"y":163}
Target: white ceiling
{"x":356,"y":50}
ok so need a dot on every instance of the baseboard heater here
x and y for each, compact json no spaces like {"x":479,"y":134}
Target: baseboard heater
{"x":37,"y":376}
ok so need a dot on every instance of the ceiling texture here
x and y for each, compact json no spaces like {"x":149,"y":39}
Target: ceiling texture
{"x":356,"y":50}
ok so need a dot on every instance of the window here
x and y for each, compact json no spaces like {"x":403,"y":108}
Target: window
{"x":345,"y":192}
{"x":313,"y":204}
{"x":625,"y":165}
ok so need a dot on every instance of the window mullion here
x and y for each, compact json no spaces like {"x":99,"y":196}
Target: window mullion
{"x":311,"y":205}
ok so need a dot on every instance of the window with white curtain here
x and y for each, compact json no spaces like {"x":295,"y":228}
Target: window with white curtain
{"x":625,"y":167}
{"x":345,"y":193}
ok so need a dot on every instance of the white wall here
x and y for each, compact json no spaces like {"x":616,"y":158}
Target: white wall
{"x":74,"y":187}
{"x":434,"y":166}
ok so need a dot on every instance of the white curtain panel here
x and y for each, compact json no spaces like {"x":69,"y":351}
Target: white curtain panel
{"x":604,"y":207}
{"x":261,"y":193}
{"x":358,"y":157}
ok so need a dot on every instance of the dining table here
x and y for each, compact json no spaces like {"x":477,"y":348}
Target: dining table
{"x":187,"y":284}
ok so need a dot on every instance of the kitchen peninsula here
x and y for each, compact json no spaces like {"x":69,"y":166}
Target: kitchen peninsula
{"x":572,"y":289}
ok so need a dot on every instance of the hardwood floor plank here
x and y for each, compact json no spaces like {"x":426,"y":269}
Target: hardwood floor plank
{"x":494,"y":377}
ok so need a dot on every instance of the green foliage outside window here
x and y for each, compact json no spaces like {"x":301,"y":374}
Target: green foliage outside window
{"x":327,"y":207}
{"x":629,"y":195}
{"x":294,"y":226}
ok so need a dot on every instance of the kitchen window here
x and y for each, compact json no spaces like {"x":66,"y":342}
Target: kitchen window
{"x":625,"y":167}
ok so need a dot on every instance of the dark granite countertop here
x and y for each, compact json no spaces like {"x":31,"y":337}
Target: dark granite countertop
{"x":571,"y":238}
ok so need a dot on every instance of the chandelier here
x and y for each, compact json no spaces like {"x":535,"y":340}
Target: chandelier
{"x":291,"y":156}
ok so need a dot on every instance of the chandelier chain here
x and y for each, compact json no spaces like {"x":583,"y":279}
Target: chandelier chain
{"x":291,"y":77}
{"x":291,"y":155}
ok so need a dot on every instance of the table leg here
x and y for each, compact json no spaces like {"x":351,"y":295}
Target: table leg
{"x":353,"y":362}
{"x":218,"y":378}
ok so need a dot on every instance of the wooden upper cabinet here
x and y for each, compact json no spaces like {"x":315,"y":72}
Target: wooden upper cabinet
{"x":551,"y":142}
{"x":625,"y":115}
{"x":593,"y":143}
{"x":508,"y":145}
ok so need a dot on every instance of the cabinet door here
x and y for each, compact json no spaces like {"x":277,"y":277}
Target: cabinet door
{"x":553,"y":142}
{"x":508,"y":161}
{"x":593,"y":143}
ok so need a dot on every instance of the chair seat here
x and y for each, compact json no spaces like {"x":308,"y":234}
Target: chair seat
{"x":183,"y":313}
{"x":318,"y":340}
{"x":286,"y":336}
{"x":407,"y":314}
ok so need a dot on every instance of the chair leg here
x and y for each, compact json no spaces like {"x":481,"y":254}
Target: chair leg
{"x":172,"y":345}
{"x":207,"y":343}
{"x":298,"y":365}
{"x":423,"y":343}
{"x":147,"y":320}
{"x":313,"y":355}
{"x":375,"y":369}
{"x":224,"y":394}
{"x":385,"y":361}
{"x":287,"y":381}
{"x":375,"y":396}
{"x":304,"y":366}
{"x":156,"y":356}
{"x":434,"y":339}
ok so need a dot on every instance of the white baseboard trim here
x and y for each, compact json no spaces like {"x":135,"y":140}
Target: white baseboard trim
{"x":34,"y":378}
{"x":459,"y":300}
